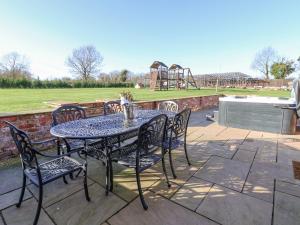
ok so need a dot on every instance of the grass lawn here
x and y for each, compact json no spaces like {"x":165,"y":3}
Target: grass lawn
{"x":29,"y":100}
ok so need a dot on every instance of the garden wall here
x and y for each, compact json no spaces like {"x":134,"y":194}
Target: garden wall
{"x":38,"y":124}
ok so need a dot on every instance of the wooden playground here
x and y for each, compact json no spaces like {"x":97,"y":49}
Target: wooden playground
{"x":163,"y":77}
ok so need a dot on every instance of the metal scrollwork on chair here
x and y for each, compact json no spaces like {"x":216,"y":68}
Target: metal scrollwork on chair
{"x":112,"y":107}
{"x":67,"y":113}
{"x":143,"y":153}
{"x":168,"y":106}
{"x":176,"y":135}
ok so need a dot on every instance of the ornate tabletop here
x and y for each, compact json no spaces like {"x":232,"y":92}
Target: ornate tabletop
{"x":104,"y":126}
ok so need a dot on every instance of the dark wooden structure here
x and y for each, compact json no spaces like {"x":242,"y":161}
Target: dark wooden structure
{"x":163,"y":78}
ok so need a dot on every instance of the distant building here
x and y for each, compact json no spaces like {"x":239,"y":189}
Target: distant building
{"x":139,"y":85}
{"x":230,"y":79}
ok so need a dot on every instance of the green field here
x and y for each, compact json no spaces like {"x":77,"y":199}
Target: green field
{"x":29,"y":100}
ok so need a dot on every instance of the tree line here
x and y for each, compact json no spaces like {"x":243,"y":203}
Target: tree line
{"x":268,"y":62}
{"x":84,"y":64}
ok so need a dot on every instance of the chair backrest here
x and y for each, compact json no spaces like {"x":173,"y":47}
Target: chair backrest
{"x":152,"y":134}
{"x":168,"y":106}
{"x":24,"y":145}
{"x":112,"y":107}
{"x":67,"y":113}
{"x":180,"y":123}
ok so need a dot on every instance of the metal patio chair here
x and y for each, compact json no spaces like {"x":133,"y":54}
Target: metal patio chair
{"x":144,"y":152}
{"x":112,"y":107}
{"x":43,"y":173}
{"x":176,"y":135}
{"x":168,"y":106}
{"x":65,"y":114}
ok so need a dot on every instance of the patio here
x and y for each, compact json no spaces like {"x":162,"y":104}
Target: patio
{"x":237,"y":177}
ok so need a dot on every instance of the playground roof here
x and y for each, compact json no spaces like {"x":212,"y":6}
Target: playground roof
{"x":157,"y":64}
{"x":175,"y":66}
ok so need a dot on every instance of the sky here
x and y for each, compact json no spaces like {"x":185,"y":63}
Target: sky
{"x":208,"y":36}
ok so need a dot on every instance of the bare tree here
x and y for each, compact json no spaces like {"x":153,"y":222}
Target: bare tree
{"x":85,"y":62}
{"x":14,"y":65}
{"x":264,"y":60}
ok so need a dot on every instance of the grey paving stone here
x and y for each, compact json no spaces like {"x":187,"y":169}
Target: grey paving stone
{"x":266,"y":154}
{"x":288,"y":188}
{"x":287,"y":155}
{"x":233,"y":208}
{"x":11,"y":178}
{"x":244,"y":156}
{"x":182,"y":170}
{"x":11,"y":198}
{"x":58,"y":190}
{"x":25,"y":214}
{"x":226,"y":172}
{"x":125,"y":182}
{"x":192,"y":193}
{"x":260,"y":186}
{"x":160,"y":187}
{"x":273,"y":170}
{"x":286,"y":209}
{"x":76,"y":210}
{"x":160,"y":211}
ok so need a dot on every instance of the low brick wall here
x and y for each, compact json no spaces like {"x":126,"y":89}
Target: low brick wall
{"x":38,"y":124}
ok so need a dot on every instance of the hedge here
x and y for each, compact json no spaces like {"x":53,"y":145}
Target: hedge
{"x":26,"y":83}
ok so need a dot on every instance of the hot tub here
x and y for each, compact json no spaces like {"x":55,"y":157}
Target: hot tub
{"x":258,"y":113}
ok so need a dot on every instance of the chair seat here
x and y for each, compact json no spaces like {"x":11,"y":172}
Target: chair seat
{"x":53,"y":169}
{"x":145,"y":161}
{"x":175,"y":143}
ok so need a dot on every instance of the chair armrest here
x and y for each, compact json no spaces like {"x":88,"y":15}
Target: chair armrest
{"x":55,"y":156}
{"x":124,"y":150}
{"x":44,"y":141}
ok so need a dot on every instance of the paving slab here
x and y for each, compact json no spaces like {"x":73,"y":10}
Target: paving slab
{"x":233,"y":208}
{"x":25,"y":214}
{"x":288,"y":188}
{"x":125,"y":182}
{"x":192,"y":193}
{"x":244,"y":156}
{"x":228,"y":173}
{"x":57,"y":190}
{"x":273,"y":170}
{"x":161,"y":188}
{"x":182,"y":169}
{"x":286,"y":155}
{"x":266,"y":153}
{"x":160,"y":211}
{"x":286,"y":209}
{"x":12,"y":198}
{"x":76,"y":210}
{"x":218,"y":148}
{"x":11,"y":177}
{"x":260,"y":187}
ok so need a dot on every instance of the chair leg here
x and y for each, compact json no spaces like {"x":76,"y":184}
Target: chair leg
{"x":22,"y":191}
{"x":171,"y":164}
{"x":107,"y":177}
{"x":138,"y":181}
{"x":86,"y":190}
{"x":111,"y":176}
{"x":186,"y":154}
{"x":165,"y":171}
{"x":65,"y":180}
{"x":39,"y":206}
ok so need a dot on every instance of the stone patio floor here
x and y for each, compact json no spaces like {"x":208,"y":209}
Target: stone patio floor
{"x":237,"y":177}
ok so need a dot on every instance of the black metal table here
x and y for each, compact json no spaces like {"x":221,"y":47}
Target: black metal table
{"x":105,"y":128}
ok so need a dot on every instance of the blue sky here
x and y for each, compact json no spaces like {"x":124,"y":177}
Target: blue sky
{"x":207,"y":36}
